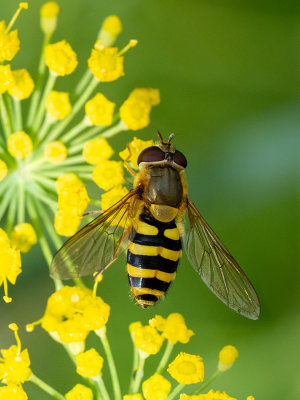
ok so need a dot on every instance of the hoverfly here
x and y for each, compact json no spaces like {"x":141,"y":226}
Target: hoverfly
{"x":148,"y":223}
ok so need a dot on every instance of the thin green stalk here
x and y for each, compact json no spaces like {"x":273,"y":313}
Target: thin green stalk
{"x":112,"y":366}
{"x":102,"y":388}
{"x":6,"y":199}
{"x":21,"y":202}
{"x":73,"y":160}
{"x":176,"y":391}
{"x":69,"y":135}
{"x":165,"y":357}
{"x":86,"y":77}
{"x":207,"y":383}
{"x":10,"y":110}
{"x":41,"y":108}
{"x":5,"y":118}
{"x":134,"y":368}
{"x":138,"y":375}
{"x":18,"y":114}
{"x":39,"y":193}
{"x":45,"y":387}
{"x":45,"y":127}
{"x":76,"y":107}
{"x":39,"y":80}
{"x":49,"y":184}
{"x":11,"y":213}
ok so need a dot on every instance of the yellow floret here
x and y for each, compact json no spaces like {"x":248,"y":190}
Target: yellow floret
{"x":112,"y":24}
{"x":187,"y":369}
{"x":9,"y":43}
{"x":100,"y":110}
{"x":105,"y":63}
{"x":147,"y":339}
{"x":89,"y":363}
{"x":148,"y":94}
{"x":69,"y":180}
{"x":156,"y":387}
{"x":108,"y":174}
{"x":23,"y":84}
{"x":66,"y":223}
{"x":211,"y":395}
{"x":58,"y":104}
{"x":55,"y":152}
{"x":111,"y":197}
{"x":73,"y":199}
{"x":97,"y":150}
{"x":14,"y":365}
{"x":173,"y":328}
{"x":12,"y":392}
{"x":60,"y":58}
{"x":23,"y":237}
{"x":6,"y":78}
{"x":79,"y":392}
{"x":19,"y":144}
{"x":3,"y":170}
{"x":133,"y":150}
{"x":49,"y":9}
{"x":227,"y":357}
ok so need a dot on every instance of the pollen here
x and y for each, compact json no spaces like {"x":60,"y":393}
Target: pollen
{"x":55,"y":152}
{"x":60,"y":58}
{"x":23,"y":237}
{"x":100,"y":110}
{"x":19,"y":144}
{"x":23,"y":84}
{"x":97,"y":150}
{"x":58,"y":104}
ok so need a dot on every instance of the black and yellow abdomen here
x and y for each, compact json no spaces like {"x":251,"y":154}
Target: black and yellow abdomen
{"x":153,"y":254}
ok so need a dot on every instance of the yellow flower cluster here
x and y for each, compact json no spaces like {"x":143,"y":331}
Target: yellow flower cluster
{"x":135,"y":111}
{"x":58,"y":105}
{"x":19,"y":144}
{"x":72,"y":312}
{"x":146,"y":338}
{"x":72,"y":202}
{"x":60,"y":58}
{"x":187,"y":368}
{"x":173,"y":328}
{"x":12,"y":392}
{"x":89,"y":363}
{"x":79,"y":392}
{"x":156,"y":387}
{"x":23,"y":84}
{"x":23,"y":237}
{"x":10,"y":265}
{"x":211,"y":395}
{"x":97,"y":150}
{"x":100,"y":110}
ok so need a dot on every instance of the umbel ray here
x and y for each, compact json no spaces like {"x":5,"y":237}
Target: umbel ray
{"x":150,"y":223}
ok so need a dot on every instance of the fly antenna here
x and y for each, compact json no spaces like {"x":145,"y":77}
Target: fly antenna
{"x":160,"y":136}
{"x":171,"y":137}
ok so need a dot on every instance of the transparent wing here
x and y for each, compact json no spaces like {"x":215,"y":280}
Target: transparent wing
{"x":217,"y":268}
{"x":97,"y":244}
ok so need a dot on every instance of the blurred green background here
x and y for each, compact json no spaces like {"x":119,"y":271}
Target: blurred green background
{"x":228,"y":72}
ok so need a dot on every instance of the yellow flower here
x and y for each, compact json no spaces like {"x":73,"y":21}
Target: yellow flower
{"x":134,"y":326}
{"x":9,"y":43}
{"x":105,"y":63}
{"x":58,"y":104}
{"x":72,"y":312}
{"x":187,"y":369}
{"x":227,"y":356}
{"x":3,"y":170}
{"x":49,"y":9}
{"x":14,"y":364}
{"x":6,"y":78}
{"x":23,"y":237}
{"x":97,"y":150}
{"x":12,"y":392}
{"x":19,"y":144}
{"x":250,"y":398}
{"x":10,"y":264}
{"x":60,"y":58}
{"x":148,"y":95}
{"x":147,"y":339}
{"x":23,"y":84}
{"x":173,"y":328}
{"x":89,"y":363}
{"x":74,"y":199}
{"x":112,"y":24}
{"x":100,"y":110}
{"x":68,"y":181}
{"x":136,"y":146}
{"x":135,"y":396}
{"x":79,"y":392}
{"x":108,"y":174}
{"x":156,"y":387}
{"x":55,"y":152}
{"x":211,"y":395}
{"x":111,"y":197}
{"x":66,"y":223}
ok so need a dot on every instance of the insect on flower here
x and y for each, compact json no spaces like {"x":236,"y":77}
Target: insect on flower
{"x":148,"y":222}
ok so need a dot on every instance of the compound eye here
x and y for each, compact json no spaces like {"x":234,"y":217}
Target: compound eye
{"x":180,"y":159}
{"x":151,"y":154}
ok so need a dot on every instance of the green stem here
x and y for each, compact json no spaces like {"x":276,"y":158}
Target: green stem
{"x":11,"y":212}
{"x":139,"y":375}
{"x":176,"y":391}
{"x":41,"y":109}
{"x":6,"y":199}
{"x":18,"y":114}
{"x":74,"y":131}
{"x":76,"y":107}
{"x":111,"y":365}
{"x":134,"y":368}
{"x":21,"y":202}
{"x":5,"y":118}
{"x":45,"y":387}
{"x":207,"y":383}
{"x":45,"y":127}
{"x":39,"y":80}
{"x":86,"y":77}
{"x":165,"y":357}
{"x":73,"y":160}
{"x":102,"y":388}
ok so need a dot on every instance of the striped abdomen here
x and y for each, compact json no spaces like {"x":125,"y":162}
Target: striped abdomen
{"x":153,"y":254}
